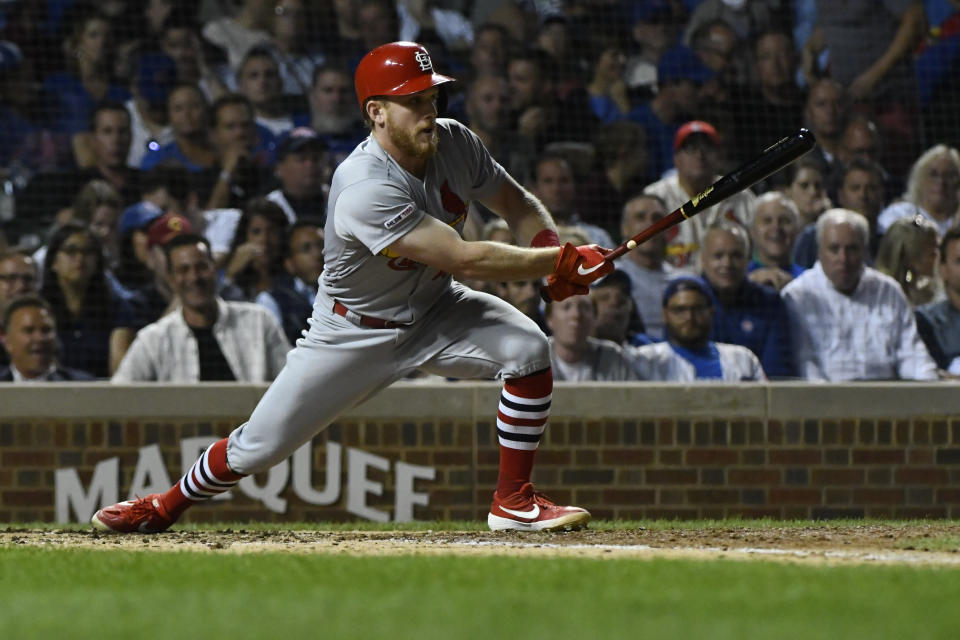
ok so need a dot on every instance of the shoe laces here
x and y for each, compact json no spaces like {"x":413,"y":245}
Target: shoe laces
{"x":143,"y":508}
{"x":527,"y":495}
{"x":542,"y":500}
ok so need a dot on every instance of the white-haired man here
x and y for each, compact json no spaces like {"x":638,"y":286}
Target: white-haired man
{"x":849,"y":321}
{"x":776,"y":222}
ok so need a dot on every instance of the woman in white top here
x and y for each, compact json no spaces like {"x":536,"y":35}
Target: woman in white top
{"x":933,"y":190}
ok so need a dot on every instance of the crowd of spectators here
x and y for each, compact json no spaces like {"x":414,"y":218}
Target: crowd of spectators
{"x":165,"y":166}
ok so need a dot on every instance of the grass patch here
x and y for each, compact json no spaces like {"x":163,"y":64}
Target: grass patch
{"x":930,"y":543}
{"x":71,"y":593}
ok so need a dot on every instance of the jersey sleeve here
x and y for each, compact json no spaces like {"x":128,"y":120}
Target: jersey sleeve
{"x":138,"y":363}
{"x":739,"y":364}
{"x":486,"y":173}
{"x":376,"y":214}
{"x":805,"y":354}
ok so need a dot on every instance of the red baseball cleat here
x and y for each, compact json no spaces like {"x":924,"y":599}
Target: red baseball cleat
{"x":527,"y":510}
{"x":143,"y":515}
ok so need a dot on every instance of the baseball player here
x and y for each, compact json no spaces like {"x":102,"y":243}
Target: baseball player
{"x":387,"y":304}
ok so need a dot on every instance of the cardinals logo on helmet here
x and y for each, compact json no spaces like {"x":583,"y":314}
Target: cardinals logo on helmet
{"x":423,"y":59}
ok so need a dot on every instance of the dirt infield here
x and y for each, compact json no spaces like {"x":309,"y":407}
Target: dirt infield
{"x":925,"y":544}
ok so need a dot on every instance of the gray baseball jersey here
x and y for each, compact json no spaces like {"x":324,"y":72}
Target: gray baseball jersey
{"x":448,"y":329}
{"x":374,"y":202}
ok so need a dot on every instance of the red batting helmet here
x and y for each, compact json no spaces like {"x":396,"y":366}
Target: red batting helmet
{"x":396,"y":69}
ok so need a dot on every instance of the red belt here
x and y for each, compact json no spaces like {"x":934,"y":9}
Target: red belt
{"x":366,"y":321}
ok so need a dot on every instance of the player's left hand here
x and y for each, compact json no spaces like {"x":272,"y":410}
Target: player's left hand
{"x":582,"y":265}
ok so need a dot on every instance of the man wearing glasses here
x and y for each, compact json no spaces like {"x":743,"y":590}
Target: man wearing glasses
{"x":18,"y":276}
{"x":688,"y":353}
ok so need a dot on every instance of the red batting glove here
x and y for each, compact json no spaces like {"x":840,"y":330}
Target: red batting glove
{"x":560,"y":289}
{"x":582,"y":265}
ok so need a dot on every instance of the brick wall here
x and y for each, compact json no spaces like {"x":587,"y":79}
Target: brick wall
{"x":676,"y":468}
{"x":750,"y":461}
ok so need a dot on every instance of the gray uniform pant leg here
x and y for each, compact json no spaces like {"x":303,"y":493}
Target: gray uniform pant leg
{"x":331,"y":370}
{"x":477,"y":335}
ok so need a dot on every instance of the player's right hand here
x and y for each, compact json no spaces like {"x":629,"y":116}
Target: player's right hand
{"x":560,"y":289}
{"x":582,"y":265}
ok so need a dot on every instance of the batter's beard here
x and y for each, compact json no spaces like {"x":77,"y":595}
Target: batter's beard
{"x":407,"y":142}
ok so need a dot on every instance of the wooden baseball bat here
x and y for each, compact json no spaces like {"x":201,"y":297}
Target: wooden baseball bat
{"x":772,"y":159}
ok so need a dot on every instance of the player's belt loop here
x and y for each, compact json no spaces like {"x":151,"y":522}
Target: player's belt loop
{"x":365,"y":321}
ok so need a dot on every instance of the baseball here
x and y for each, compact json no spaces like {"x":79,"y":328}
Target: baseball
{"x":631,"y":244}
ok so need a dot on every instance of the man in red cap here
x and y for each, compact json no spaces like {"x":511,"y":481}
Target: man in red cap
{"x":698,"y":156}
{"x":388,"y":305}
{"x":158,"y":298}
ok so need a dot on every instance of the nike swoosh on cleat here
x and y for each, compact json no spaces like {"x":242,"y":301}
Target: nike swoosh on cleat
{"x":586,"y":272}
{"x":527,"y":515}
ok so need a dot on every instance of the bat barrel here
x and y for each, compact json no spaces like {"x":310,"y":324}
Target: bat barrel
{"x":774,"y":158}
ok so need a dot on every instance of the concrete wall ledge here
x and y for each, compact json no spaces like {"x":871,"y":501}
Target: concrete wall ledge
{"x":767,"y":401}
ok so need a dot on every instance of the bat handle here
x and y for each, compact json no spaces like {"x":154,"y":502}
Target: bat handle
{"x":657,"y":227}
{"x":617,"y":252}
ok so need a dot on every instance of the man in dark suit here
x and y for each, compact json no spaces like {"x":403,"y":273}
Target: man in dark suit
{"x":28,"y":332}
{"x":744,"y":312}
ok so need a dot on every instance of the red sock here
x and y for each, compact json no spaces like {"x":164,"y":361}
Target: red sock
{"x":521,"y":418}
{"x":209,"y":476}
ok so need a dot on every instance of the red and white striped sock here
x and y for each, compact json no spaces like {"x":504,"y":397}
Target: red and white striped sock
{"x":209,"y":476}
{"x":521,"y":419}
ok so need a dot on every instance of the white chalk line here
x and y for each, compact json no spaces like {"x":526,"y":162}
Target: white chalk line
{"x":898,"y":557}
